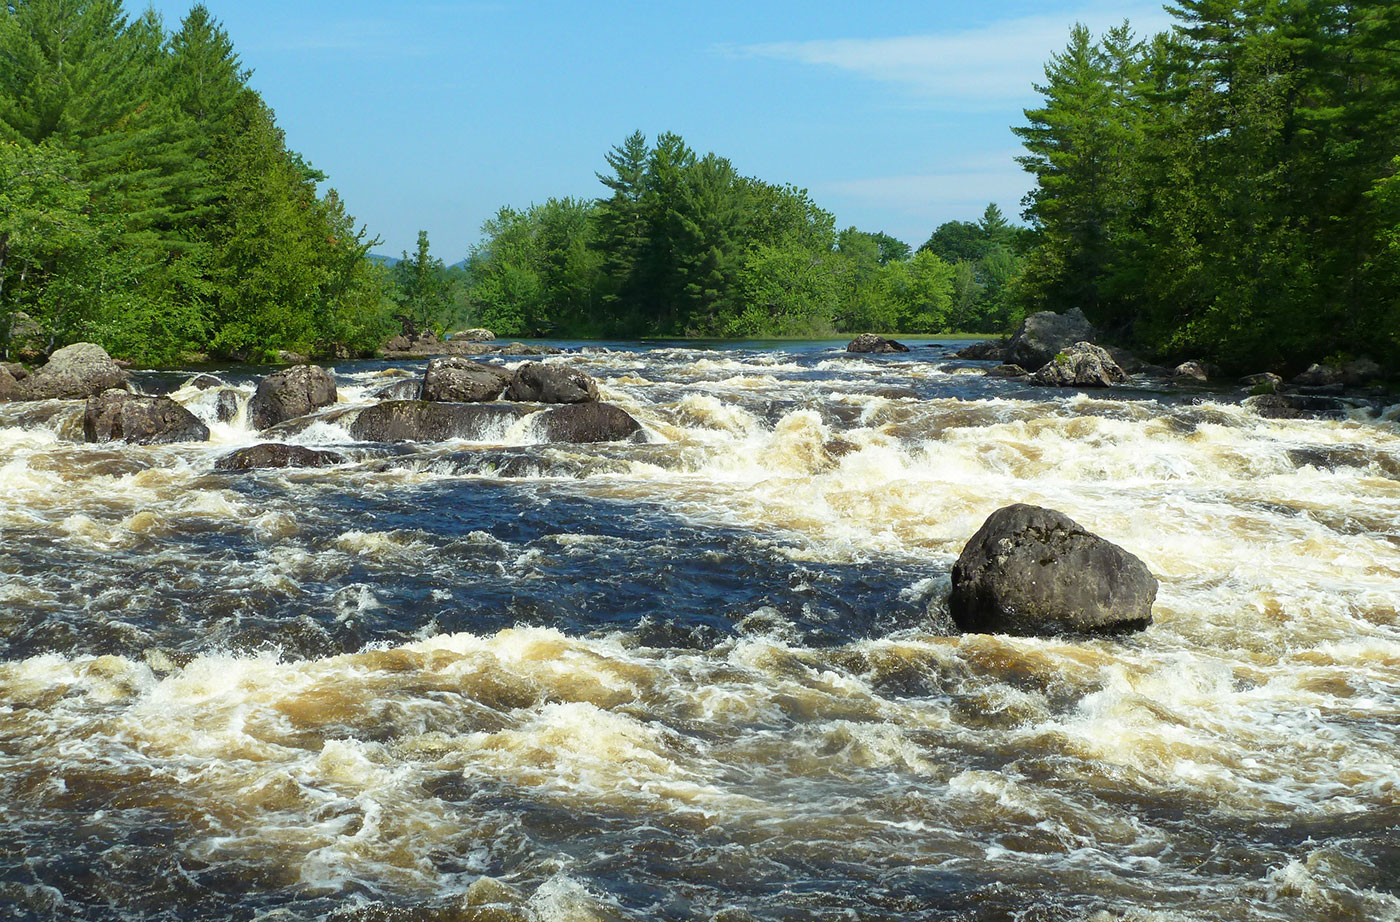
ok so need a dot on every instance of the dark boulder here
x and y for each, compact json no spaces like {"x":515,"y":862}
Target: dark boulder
{"x":1080,"y":365}
{"x":424,"y":421}
{"x":290,"y":393}
{"x":118,"y":415}
{"x":1319,"y":376}
{"x":16,"y":370}
{"x":587,"y":422}
{"x":226,"y":405}
{"x":1035,"y":572}
{"x":1046,"y":334}
{"x":73,"y":373}
{"x":276,"y":454}
{"x":539,"y":383}
{"x":458,"y":380}
{"x":869,"y":342}
{"x":407,"y":389}
{"x":1007,"y":371}
{"x":1361,"y":371}
{"x":1128,"y":361}
{"x":992,"y":350}
{"x":397,"y":343}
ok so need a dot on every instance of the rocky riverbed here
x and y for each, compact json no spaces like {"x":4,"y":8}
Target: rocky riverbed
{"x":701,"y":669}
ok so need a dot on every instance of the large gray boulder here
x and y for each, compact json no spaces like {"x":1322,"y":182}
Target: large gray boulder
{"x":474,"y":335}
{"x":74,"y":372}
{"x":118,"y":415}
{"x":869,"y":342}
{"x":1035,"y":572}
{"x":290,"y":393}
{"x":276,"y":454}
{"x":587,"y":422}
{"x":458,"y":380}
{"x":1044,"y":335}
{"x":1080,"y":365}
{"x":424,"y":421}
{"x":8,"y":385}
{"x":407,"y":389}
{"x":540,"y":383}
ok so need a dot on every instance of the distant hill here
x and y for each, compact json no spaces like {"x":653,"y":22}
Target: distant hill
{"x":392,"y":261}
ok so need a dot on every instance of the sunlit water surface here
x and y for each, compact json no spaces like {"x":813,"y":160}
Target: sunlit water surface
{"x":711,"y":673}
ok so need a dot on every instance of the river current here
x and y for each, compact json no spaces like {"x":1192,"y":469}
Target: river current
{"x":705,"y":676}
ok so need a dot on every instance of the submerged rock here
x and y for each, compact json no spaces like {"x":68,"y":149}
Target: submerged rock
{"x":522,"y":349}
{"x":869,"y":342}
{"x":73,"y":373}
{"x":290,"y":393}
{"x":203,"y":382}
{"x":1305,"y":406}
{"x":277,"y":454}
{"x":1080,"y":365}
{"x":1007,"y":371}
{"x":410,"y":389}
{"x":425,"y":421}
{"x":541,"y":383}
{"x":118,"y":415}
{"x":458,"y":380}
{"x":1035,"y":571}
{"x":587,"y":422}
{"x":1044,"y":335}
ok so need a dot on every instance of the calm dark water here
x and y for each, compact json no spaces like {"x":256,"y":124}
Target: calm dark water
{"x":707,"y":675}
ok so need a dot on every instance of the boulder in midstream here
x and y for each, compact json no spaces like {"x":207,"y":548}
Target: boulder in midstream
{"x":277,"y":454}
{"x":1080,"y":365}
{"x":290,"y":393}
{"x":428,"y":421}
{"x":869,"y":342}
{"x":1044,"y":335}
{"x":587,"y":422}
{"x":540,"y":383}
{"x":408,"y":389}
{"x":1034,"y":571}
{"x":226,"y":405}
{"x":458,"y":380}
{"x":118,"y":415}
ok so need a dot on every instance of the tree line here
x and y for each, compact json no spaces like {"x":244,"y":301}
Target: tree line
{"x":682,"y":244}
{"x":148,"y":200}
{"x":1228,"y":190}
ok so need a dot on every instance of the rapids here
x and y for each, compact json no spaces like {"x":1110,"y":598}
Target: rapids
{"x":705,"y":676}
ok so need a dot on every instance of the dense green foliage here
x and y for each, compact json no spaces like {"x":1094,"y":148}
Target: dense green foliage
{"x":148,"y":201}
{"x":1228,"y":190}
{"x":683,"y":245}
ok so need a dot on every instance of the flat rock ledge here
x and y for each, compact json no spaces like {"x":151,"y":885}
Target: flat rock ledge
{"x":1033,"y":571}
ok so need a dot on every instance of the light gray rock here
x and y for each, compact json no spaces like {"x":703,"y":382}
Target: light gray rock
{"x":458,"y":380}
{"x":1044,"y":335}
{"x":540,"y":383}
{"x":74,"y":372}
{"x":1080,"y":365}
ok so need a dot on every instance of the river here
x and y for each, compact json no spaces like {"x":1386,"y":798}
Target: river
{"x":707,"y":676}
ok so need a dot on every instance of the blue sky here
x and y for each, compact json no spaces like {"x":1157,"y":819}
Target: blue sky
{"x":896,"y":116}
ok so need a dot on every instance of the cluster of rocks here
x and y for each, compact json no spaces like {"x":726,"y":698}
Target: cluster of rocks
{"x":478,"y":341}
{"x":455,"y":398}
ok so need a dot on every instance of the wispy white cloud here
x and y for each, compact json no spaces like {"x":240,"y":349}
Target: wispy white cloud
{"x":985,"y":67}
{"x":960,"y":189}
